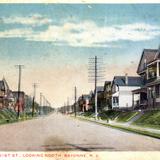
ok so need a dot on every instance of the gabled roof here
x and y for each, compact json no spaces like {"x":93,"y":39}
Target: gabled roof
{"x":107,"y":82}
{"x":84,"y":96}
{"x":132,"y":81}
{"x":4,"y":85}
{"x":148,"y":55}
{"x":100,"y":88}
{"x":15,"y":94}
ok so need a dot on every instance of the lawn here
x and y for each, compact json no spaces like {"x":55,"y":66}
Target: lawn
{"x":7,"y":115}
{"x":110,"y":114}
{"x":149,"y":119}
{"x":126,"y":116}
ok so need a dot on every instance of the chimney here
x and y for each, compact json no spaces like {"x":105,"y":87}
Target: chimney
{"x":126,"y":79}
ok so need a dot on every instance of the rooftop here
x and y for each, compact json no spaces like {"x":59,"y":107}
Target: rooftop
{"x":132,"y":81}
{"x":148,"y":55}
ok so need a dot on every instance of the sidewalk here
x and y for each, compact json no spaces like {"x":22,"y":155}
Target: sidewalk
{"x":125,"y":126}
{"x":135,"y":127}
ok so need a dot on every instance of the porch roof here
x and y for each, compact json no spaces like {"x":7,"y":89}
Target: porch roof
{"x":155,"y":82}
{"x":140,"y":90}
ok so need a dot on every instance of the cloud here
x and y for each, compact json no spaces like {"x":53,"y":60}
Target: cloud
{"x":32,"y":20}
{"x":18,"y":33}
{"x":88,"y":34}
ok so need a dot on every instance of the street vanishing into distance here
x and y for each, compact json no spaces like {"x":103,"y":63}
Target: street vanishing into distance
{"x":57,"y":132}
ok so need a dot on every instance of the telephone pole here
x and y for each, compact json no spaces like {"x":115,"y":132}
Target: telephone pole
{"x":95,"y":79}
{"x":34,"y":97}
{"x":40,"y":103}
{"x":64,"y":108}
{"x":44,"y":105}
{"x":96,"y":74}
{"x":19,"y":87}
{"x":75,"y":99}
{"x":67,"y":104}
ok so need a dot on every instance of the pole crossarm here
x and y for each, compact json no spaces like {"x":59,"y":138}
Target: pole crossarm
{"x":95,"y":74}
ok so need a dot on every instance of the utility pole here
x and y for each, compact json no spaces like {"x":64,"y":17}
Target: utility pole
{"x":40,"y":112}
{"x":47,"y":106}
{"x":96,"y":74}
{"x":68,"y":104}
{"x":64,"y":108}
{"x":95,"y":79}
{"x":34,"y":97}
{"x":75,"y":101}
{"x":19,"y":88}
{"x":44,"y":105}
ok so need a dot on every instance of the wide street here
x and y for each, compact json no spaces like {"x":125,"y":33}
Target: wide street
{"x":57,"y":132}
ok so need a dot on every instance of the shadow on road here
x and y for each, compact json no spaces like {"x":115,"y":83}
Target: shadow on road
{"x":77,"y":147}
{"x":56,"y":143}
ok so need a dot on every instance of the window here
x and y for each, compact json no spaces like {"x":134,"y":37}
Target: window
{"x":116,"y":101}
{"x":157,"y":90}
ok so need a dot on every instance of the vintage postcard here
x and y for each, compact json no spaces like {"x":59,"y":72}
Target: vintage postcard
{"x":80,"y":80}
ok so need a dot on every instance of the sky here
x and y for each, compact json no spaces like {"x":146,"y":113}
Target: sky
{"x":55,"y":41}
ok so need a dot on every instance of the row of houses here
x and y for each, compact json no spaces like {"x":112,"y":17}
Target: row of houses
{"x":129,"y":92}
{"x":9,"y":98}
{"x":25,"y":103}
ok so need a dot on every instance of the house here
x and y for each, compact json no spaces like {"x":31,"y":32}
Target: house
{"x":6,"y":97}
{"x":149,"y":70}
{"x":100,"y":98}
{"x":108,"y":95}
{"x":122,"y":87}
{"x":84,"y":102}
{"x":21,"y":101}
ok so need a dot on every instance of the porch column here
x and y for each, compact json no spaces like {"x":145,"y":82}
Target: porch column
{"x":132,"y":100}
{"x":158,"y":69}
{"x":147,"y":73}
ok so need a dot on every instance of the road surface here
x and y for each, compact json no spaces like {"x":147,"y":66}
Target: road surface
{"x":61,"y":133}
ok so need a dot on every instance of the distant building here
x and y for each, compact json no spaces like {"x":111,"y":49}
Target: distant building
{"x":108,"y":95}
{"x":100,"y":98}
{"x":122,"y":87}
{"x":84,"y":103}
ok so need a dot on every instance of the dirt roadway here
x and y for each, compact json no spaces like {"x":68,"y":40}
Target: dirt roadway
{"x":57,"y":132}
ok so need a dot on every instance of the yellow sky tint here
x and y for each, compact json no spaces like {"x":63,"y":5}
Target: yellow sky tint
{"x":61,"y":81}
